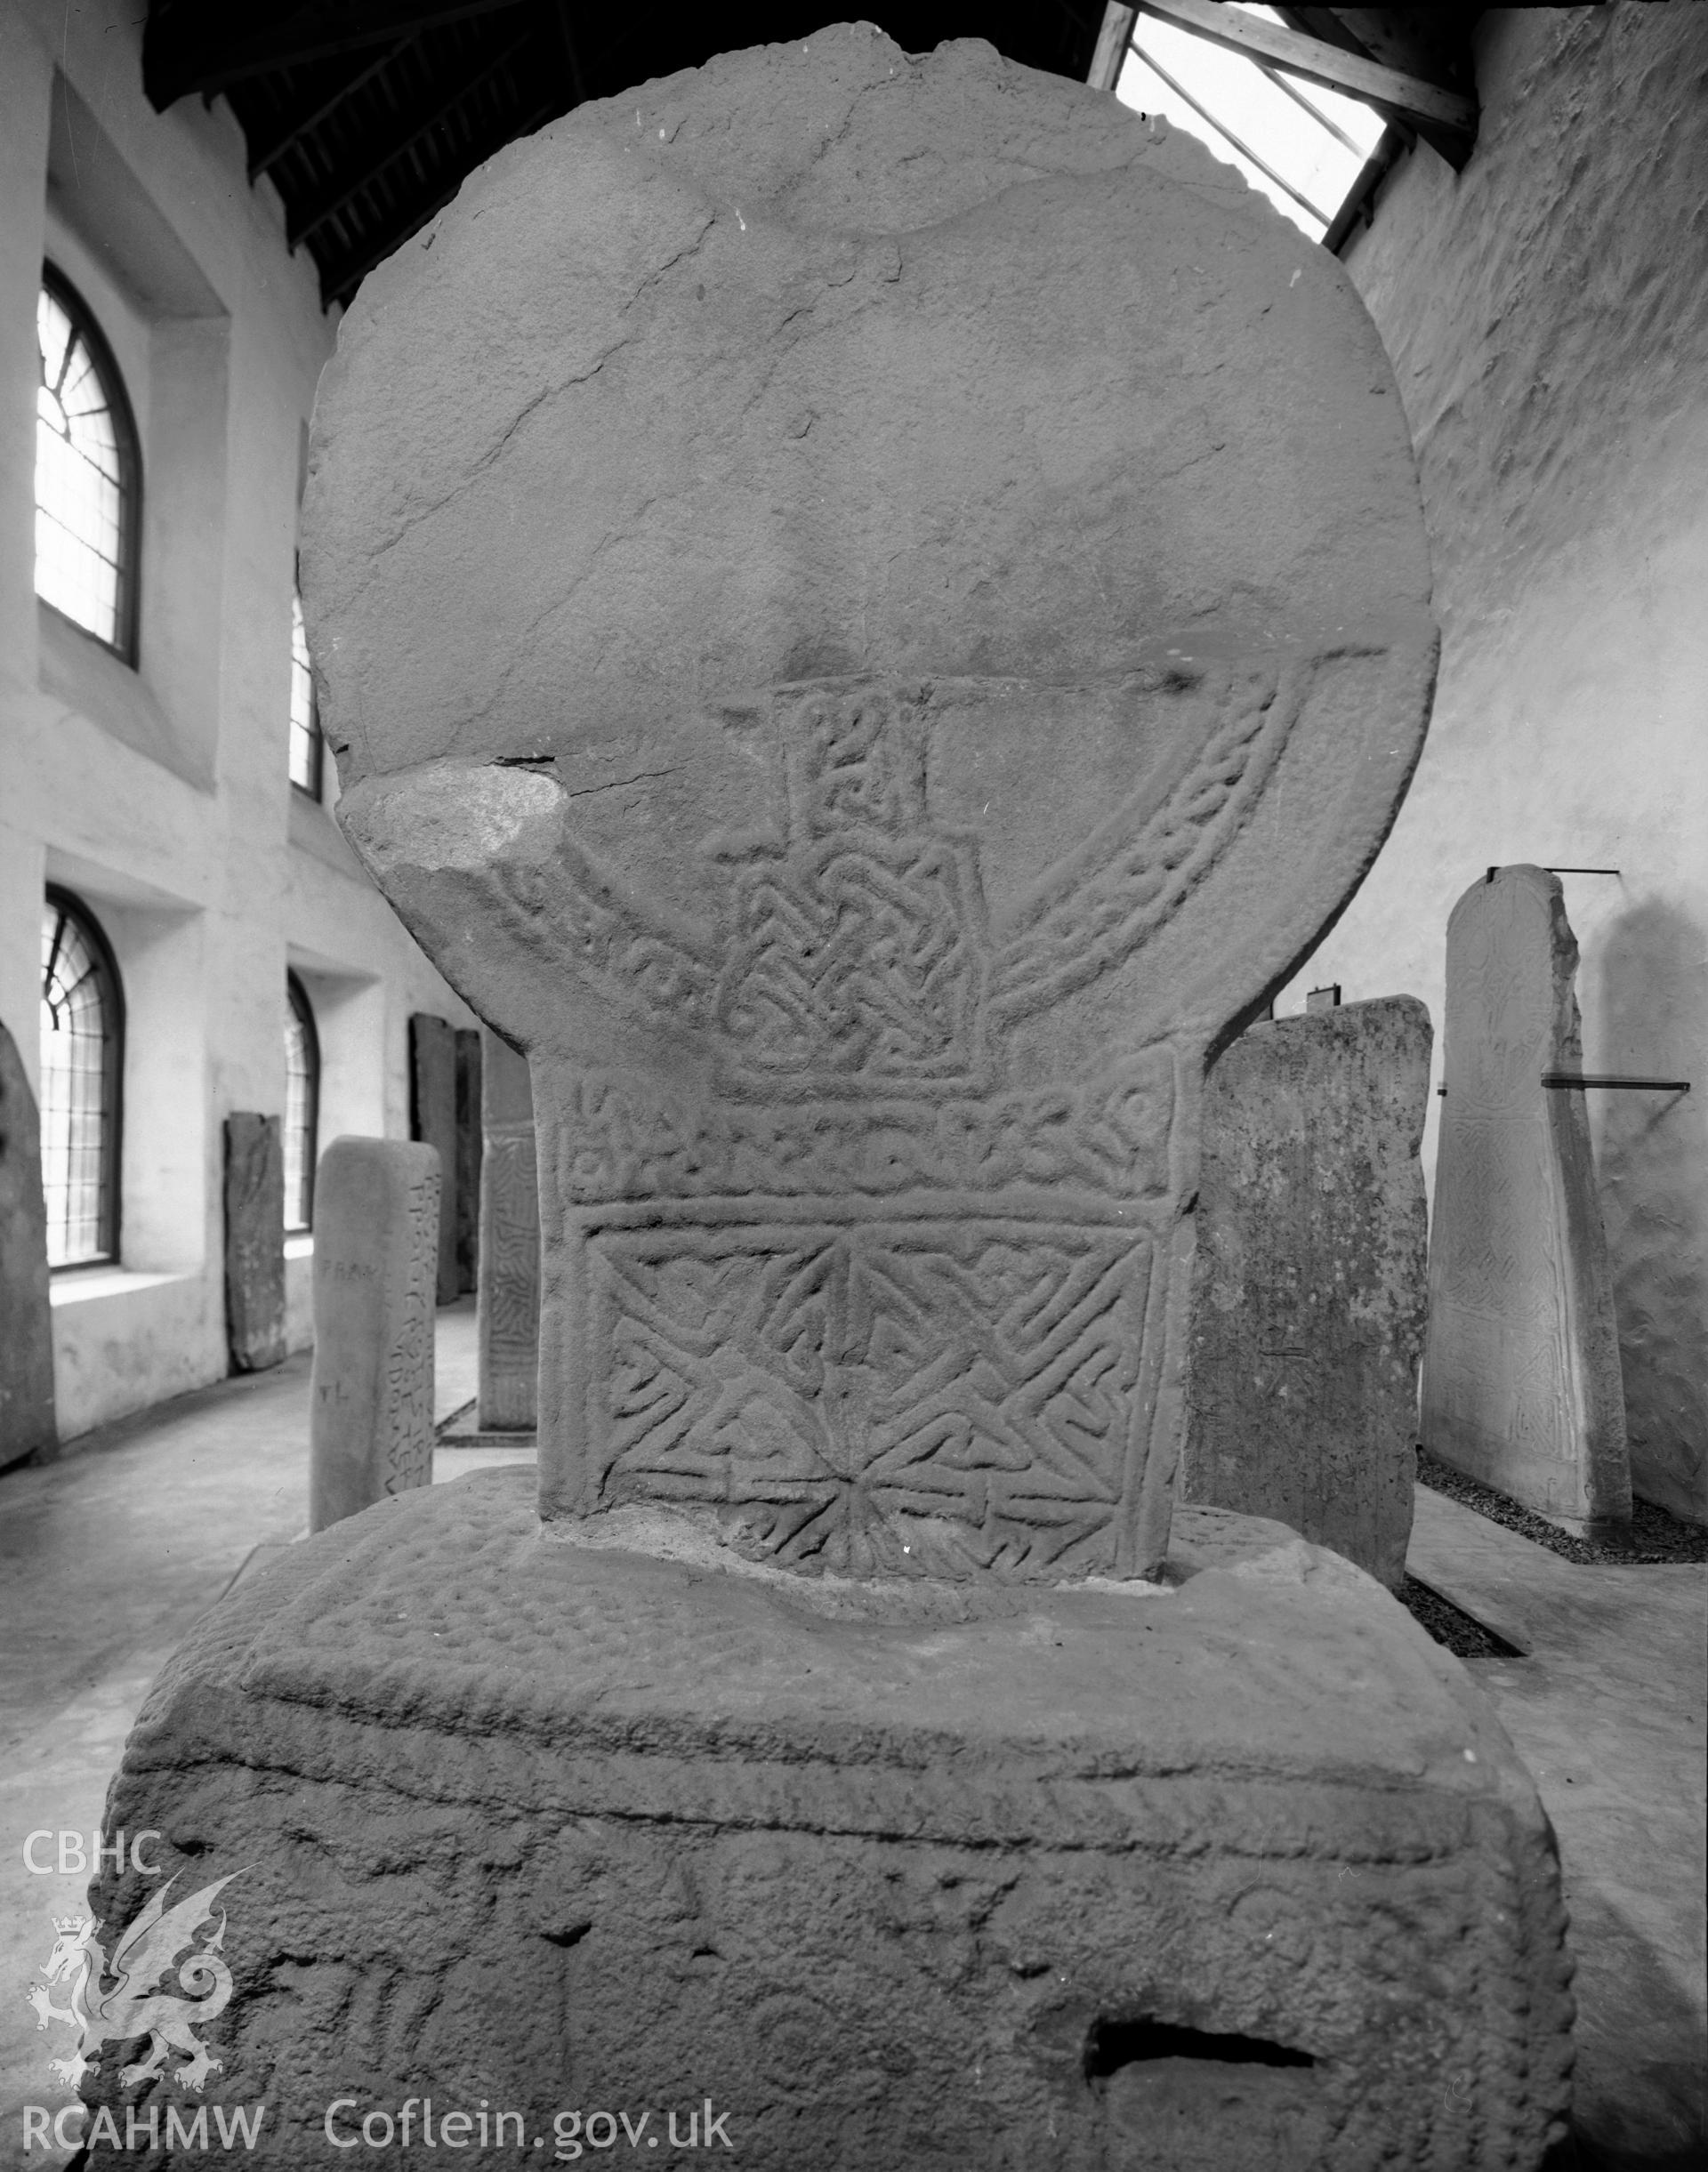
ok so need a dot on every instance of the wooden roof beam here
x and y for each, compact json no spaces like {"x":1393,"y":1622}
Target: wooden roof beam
{"x":304,"y":221}
{"x":339,"y":282}
{"x":195,"y":45}
{"x":291,"y":132}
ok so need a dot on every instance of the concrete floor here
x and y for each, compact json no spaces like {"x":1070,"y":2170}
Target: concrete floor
{"x":110,"y":1554}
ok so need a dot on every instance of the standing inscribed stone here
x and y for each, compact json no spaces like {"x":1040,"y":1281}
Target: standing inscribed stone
{"x":469,"y":1155}
{"x":508,"y":1306}
{"x":1521,"y":1384}
{"x":1307,"y":1305}
{"x":255,"y":1242}
{"x":432,"y":1105}
{"x":27,"y":1418}
{"x":376,"y":1253}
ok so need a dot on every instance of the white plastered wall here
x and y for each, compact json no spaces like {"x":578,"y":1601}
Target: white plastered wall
{"x":1547,"y":314}
{"x":160,"y":794}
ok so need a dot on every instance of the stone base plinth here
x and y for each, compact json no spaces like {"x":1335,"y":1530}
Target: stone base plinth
{"x":1238,"y":1871}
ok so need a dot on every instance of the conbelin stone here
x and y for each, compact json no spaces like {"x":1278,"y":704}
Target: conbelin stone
{"x":872,"y":608}
{"x":1309,"y":1298}
{"x":1521,"y":1380}
{"x":376,"y":1259}
{"x":507,"y":1304}
{"x":865,"y":697}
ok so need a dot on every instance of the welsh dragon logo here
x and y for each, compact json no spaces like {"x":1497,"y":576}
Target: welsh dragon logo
{"x":114,"y":1998}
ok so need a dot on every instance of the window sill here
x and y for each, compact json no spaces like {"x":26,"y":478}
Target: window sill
{"x":81,"y":671}
{"x":82,"y":1285}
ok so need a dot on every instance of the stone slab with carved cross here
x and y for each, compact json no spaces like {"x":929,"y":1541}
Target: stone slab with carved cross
{"x":923,"y":627}
{"x":871,"y":609}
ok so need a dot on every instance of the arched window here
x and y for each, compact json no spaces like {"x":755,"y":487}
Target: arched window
{"x":88,"y":473}
{"x":82,"y":1064}
{"x":305,"y":729}
{"x":302,"y":1105}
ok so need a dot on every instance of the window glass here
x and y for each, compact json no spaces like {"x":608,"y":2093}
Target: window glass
{"x":302,"y":1105}
{"x":305,"y":729}
{"x":82,"y":1032}
{"x":86,"y":472}
{"x":1301,"y":146}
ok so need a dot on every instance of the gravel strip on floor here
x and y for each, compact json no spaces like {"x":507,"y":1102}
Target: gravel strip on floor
{"x":1656,"y":1537}
{"x":1462,"y":1634}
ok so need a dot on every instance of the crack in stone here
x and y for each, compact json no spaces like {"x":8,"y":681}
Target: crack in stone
{"x":616,"y":783}
{"x":551,"y":392}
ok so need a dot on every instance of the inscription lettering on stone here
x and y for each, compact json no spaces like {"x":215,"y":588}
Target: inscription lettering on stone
{"x":27,"y":1413}
{"x":432,"y":1101}
{"x":1307,"y":1305}
{"x":375,"y":1264}
{"x":508,"y":1306}
{"x":1521,"y":1380}
{"x":255,"y":1242}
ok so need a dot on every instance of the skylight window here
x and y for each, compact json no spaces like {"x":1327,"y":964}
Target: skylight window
{"x":1301,"y":145}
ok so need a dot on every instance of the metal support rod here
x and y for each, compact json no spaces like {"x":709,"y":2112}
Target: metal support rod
{"x":1575,"y":1078}
{"x":1582,"y":871}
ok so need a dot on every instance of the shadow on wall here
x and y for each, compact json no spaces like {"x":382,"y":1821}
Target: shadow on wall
{"x":1651,"y":1154}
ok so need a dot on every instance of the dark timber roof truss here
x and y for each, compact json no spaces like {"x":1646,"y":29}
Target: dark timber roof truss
{"x":367,"y":115}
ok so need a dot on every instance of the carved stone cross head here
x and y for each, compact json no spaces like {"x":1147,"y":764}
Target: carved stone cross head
{"x":870,"y":608}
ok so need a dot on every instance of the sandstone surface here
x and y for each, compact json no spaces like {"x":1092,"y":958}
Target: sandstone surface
{"x":26,"y":1414}
{"x":870,"y":609}
{"x":1521,"y":1380}
{"x":469,"y":1147}
{"x":376,"y":1254}
{"x":432,"y":1107}
{"x":1310,"y":1287}
{"x":255,"y":1242}
{"x":507,"y":1309}
{"x":1234,"y":1871}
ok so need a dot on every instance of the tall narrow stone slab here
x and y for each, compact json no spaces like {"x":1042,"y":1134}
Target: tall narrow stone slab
{"x":1521,"y":1385}
{"x":1308,"y":1288}
{"x":469,"y":1155}
{"x":376,"y":1221}
{"x":27,"y":1418}
{"x":922,"y":630}
{"x":432,"y":1119}
{"x":508,"y":1306}
{"x":255,"y":1242}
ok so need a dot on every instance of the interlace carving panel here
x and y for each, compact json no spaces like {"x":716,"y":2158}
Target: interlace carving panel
{"x":874,"y":1305}
{"x":405,"y":1415}
{"x":890,"y":1395}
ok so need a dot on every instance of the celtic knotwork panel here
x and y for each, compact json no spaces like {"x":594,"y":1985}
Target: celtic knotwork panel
{"x":857,"y":958}
{"x":510,"y":1263}
{"x":932,"y":1397}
